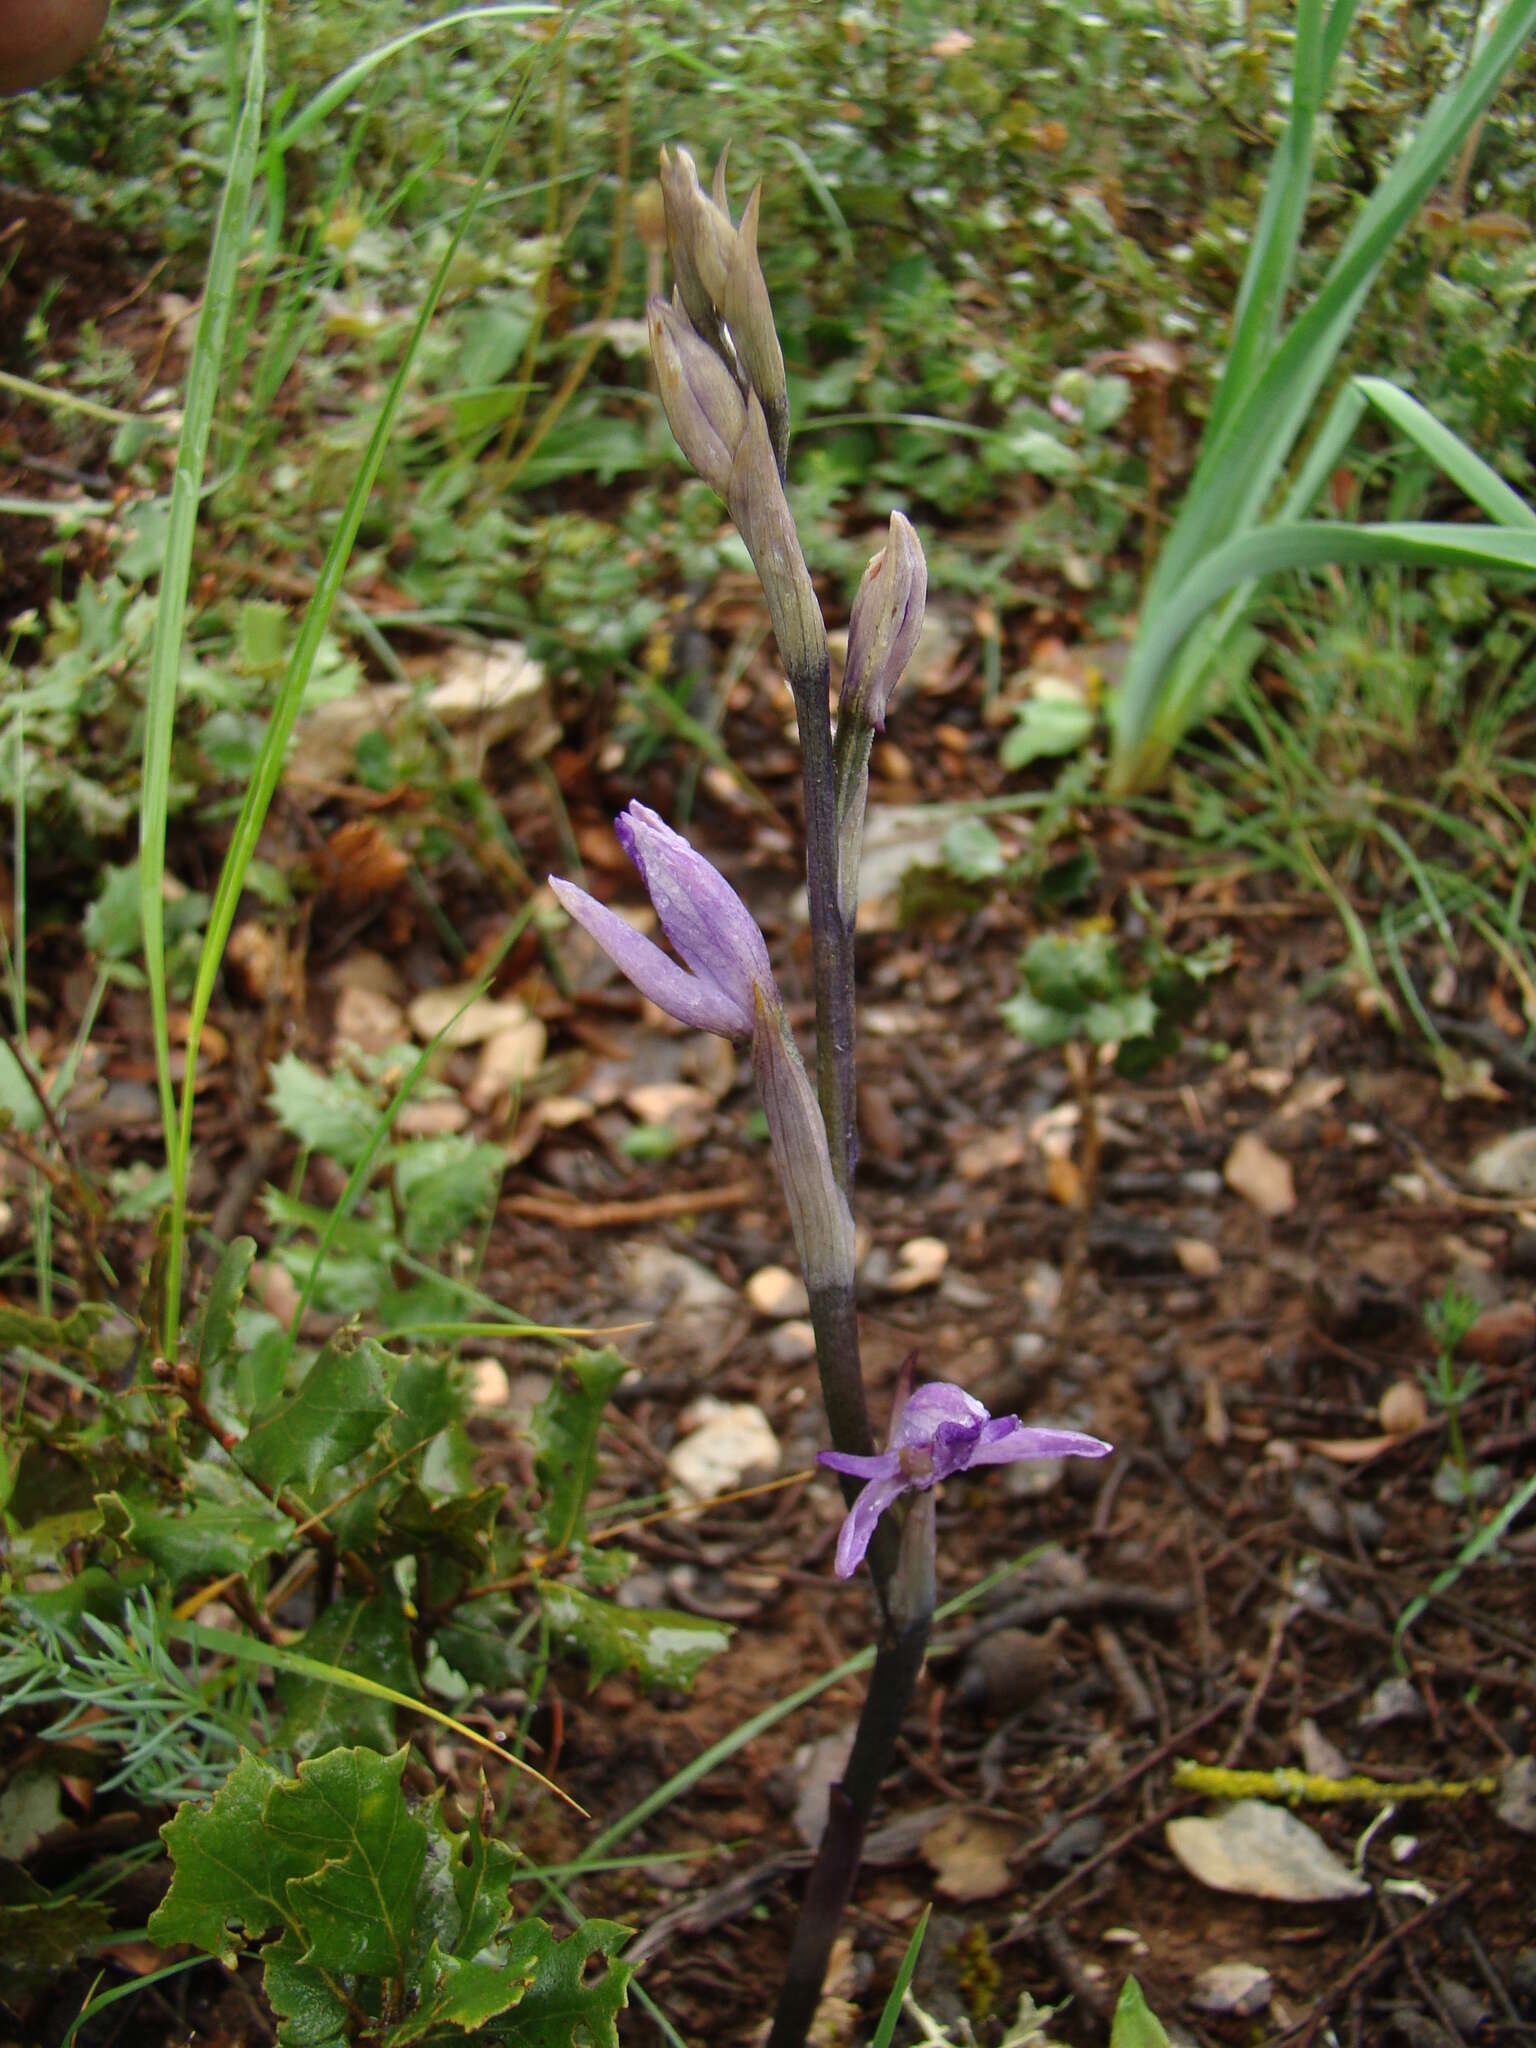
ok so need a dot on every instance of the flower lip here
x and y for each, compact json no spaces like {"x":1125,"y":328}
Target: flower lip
{"x":941,"y":1430}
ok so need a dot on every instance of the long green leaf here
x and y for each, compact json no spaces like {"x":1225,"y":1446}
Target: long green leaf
{"x":1466,"y":469}
{"x":1238,"y":467}
{"x":1159,"y":719}
{"x":203,"y":373}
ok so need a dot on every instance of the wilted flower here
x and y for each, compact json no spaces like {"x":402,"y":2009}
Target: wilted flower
{"x":731,"y":991}
{"x":941,"y":1430}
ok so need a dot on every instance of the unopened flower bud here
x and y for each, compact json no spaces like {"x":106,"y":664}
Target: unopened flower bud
{"x":887,"y":619}
{"x":701,"y":241}
{"x":762,"y":515}
{"x":698,"y":393}
{"x":749,"y":315}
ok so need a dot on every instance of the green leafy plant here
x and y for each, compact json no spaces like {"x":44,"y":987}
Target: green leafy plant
{"x":386,"y":1925}
{"x":1220,"y":545}
{"x":1449,"y":1386}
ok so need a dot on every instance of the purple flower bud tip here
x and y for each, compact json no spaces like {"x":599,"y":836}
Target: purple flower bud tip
{"x":701,"y":914}
{"x":941,"y":1430}
{"x":887,"y":620}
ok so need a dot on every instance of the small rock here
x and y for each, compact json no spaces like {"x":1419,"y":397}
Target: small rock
{"x":1402,"y":1408}
{"x":1320,"y":1757}
{"x":1516,"y":1803}
{"x":489,"y":1386}
{"x":1010,"y":1668}
{"x":817,"y":1767}
{"x":508,"y":1061}
{"x":729,"y":1442}
{"x":1470,"y":2012}
{"x":1236,"y":1989}
{"x":959,"y":1290}
{"x":1501,"y":1336}
{"x":370,"y":1021}
{"x":1322,"y":1513}
{"x":792,"y":1343}
{"x":1200,"y":1260}
{"x":1201,"y":1183}
{"x":1077,"y":1841}
{"x":920,"y":1263}
{"x":1507,"y":1166}
{"x":1263,"y":1179}
{"x":1034,"y":1478}
{"x":1028,"y":1350}
{"x":1395,"y":1699}
{"x":437,"y":1011}
{"x":777,"y":1293}
{"x":1041,"y":1288}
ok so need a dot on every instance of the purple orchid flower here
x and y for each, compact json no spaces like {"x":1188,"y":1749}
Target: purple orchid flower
{"x":941,"y":1430}
{"x":703,"y":917}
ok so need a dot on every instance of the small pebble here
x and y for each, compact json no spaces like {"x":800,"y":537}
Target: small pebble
{"x":920,"y":1263}
{"x":792,"y":1343}
{"x":1237,"y":1989}
{"x":1402,"y":1408}
{"x":777,"y":1293}
{"x":1078,"y":1840}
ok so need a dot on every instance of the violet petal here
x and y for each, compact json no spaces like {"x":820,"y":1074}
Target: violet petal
{"x":859,"y":1523}
{"x":1037,"y":1443}
{"x":684,"y":996}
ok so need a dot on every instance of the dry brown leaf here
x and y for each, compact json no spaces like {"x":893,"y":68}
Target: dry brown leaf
{"x":969,"y":1856}
{"x":1258,"y":1173}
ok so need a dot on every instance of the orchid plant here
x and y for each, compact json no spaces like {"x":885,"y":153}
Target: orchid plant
{"x":720,"y":371}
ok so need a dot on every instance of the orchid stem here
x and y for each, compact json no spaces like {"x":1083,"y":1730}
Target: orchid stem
{"x":830,"y":1884}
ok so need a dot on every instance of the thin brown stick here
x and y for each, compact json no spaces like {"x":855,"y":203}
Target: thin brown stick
{"x":619,"y":1215}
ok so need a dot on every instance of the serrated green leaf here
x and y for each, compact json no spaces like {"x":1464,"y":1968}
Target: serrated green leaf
{"x":311,"y":2008}
{"x":973,"y":851}
{"x":216,"y":1326}
{"x":445,"y":1187}
{"x":355,"y":1634}
{"x":1039,"y":453}
{"x":229,"y":1869}
{"x":1132,"y":1015}
{"x":1035,"y":1022}
{"x":663,"y":1647}
{"x":477,"y":1643}
{"x":1135,"y":2024}
{"x":331,"y":1113}
{"x":476,"y":1966}
{"x":1068,"y":971}
{"x":565,"y":1429}
{"x":338,"y":1410}
{"x":1047,"y":728}
{"x":227,"y":1526}
{"x":347,"y":1813}
{"x":564,"y":2004}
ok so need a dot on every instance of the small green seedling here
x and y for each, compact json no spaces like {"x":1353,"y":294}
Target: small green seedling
{"x":1458,"y":1483}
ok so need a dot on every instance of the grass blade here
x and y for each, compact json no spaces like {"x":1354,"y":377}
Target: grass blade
{"x":203,"y":373}
{"x":1466,"y":469}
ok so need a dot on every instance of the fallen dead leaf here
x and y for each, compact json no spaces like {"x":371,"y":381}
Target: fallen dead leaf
{"x":437,"y":1010}
{"x":1261,"y":1851}
{"x":508,"y":1061}
{"x":1260,"y":1176}
{"x":919,"y":1263}
{"x":969,"y":1856}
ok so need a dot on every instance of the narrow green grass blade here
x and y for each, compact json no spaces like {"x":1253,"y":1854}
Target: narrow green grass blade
{"x":268,"y":769}
{"x":884,"y":2033}
{"x":1467,"y":470}
{"x":1277,"y":232}
{"x":1479,"y":1546}
{"x":224,"y":1642}
{"x":203,"y":372}
{"x":336,"y":91}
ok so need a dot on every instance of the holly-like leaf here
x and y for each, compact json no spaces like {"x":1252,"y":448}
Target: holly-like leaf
{"x":565,"y":1427}
{"x":973,"y":851}
{"x":229,"y":1870}
{"x":347,"y":1814}
{"x":566,"y":2002}
{"x":445,"y":1187}
{"x":338,"y":1410}
{"x":1068,"y":971}
{"x":228,"y":1526}
{"x":1047,"y":728}
{"x":477,"y":1964}
{"x":332,"y":1113}
{"x":664,"y":1647}
{"x":363,"y":1635}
